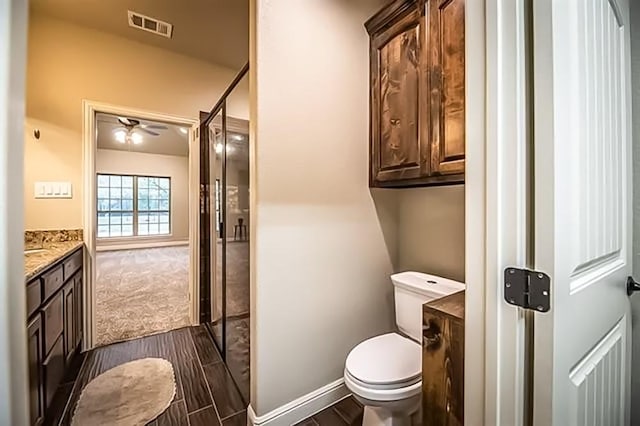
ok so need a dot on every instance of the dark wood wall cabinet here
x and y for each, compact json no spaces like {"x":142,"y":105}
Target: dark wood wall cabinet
{"x":54,"y":306}
{"x":417,"y":99}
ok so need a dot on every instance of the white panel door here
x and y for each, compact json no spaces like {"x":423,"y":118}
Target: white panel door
{"x":582,"y":209}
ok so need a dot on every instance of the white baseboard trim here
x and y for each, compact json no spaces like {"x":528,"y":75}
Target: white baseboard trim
{"x":141,"y":245}
{"x":301,"y":408}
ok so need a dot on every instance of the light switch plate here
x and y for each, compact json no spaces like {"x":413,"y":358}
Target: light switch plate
{"x":52,"y":190}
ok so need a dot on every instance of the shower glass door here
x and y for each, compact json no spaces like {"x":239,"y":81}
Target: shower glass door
{"x":237,"y":231}
{"x":225,"y":229}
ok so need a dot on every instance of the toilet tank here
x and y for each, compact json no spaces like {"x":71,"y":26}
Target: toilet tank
{"x":411,"y":291}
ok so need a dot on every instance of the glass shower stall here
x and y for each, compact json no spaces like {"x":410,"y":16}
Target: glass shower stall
{"x":225,"y":228}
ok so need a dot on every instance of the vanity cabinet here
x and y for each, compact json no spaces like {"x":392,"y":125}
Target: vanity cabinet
{"x":417,"y":94}
{"x":54,"y":305}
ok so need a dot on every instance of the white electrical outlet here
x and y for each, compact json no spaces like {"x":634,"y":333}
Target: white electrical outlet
{"x":52,"y":190}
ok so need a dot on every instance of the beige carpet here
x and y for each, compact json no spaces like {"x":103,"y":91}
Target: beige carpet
{"x":141,"y":292}
{"x":130,"y":394}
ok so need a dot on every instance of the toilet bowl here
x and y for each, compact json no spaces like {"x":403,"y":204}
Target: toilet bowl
{"x":384,"y":372}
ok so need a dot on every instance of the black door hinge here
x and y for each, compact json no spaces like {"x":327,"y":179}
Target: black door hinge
{"x":527,"y":289}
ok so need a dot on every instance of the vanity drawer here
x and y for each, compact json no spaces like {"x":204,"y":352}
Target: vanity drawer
{"x":72,"y":264}
{"x":34,"y":296}
{"x":53,"y":316}
{"x":52,"y":281}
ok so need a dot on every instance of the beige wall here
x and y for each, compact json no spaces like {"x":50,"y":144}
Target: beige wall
{"x":321,"y":260}
{"x":431,"y":231}
{"x":136,"y":163}
{"x":68,"y":63}
{"x":56,"y":156}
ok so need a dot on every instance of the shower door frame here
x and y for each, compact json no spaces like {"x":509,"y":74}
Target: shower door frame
{"x":208,"y":235}
{"x":207,"y":193}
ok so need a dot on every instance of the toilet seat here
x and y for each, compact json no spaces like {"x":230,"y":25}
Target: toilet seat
{"x":385,"y":368}
{"x":395,"y":392}
{"x":386,"y":359}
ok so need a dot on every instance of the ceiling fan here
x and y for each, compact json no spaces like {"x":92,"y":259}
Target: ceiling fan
{"x":131,"y":128}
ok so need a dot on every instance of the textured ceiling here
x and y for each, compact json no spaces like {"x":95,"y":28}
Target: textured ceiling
{"x":170,"y":141}
{"x":215,"y":31}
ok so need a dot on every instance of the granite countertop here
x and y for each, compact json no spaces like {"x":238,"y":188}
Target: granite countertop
{"x":452,"y":305}
{"x":34,"y":263}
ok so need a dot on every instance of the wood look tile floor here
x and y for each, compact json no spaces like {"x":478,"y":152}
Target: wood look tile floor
{"x":205,"y":392}
{"x":345,"y":412}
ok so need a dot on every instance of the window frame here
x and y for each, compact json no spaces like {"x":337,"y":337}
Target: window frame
{"x":135,"y":211}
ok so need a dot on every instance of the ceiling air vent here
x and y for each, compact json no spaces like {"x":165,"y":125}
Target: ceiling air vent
{"x":152,"y":25}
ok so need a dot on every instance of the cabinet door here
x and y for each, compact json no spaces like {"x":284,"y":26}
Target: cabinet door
{"x":399,"y":102}
{"x":53,"y":370}
{"x":36,"y":377}
{"x":69,"y":320}
{"x":78,"y":308}
{"x":446,"y":27}
{"x":53,"y":321}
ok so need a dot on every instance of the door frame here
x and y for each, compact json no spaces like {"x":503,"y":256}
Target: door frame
{"x":497,"y":207}
{"x":14,"y":384}
{"x":89,"y":151}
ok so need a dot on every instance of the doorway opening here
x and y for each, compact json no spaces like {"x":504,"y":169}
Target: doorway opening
{"x":139,"y":226}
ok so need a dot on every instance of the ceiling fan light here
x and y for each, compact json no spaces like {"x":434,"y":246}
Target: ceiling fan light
{"x":183,"y":130}
{"x":136,"y":138}
{"x":121,"y":136}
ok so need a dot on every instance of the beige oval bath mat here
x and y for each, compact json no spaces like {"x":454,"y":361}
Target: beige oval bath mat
{"x":130,"y":394}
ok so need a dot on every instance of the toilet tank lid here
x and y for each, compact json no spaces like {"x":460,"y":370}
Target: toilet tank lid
{"x":425,"y":283}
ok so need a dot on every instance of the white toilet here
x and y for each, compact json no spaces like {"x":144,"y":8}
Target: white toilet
{"x":385,"y":372}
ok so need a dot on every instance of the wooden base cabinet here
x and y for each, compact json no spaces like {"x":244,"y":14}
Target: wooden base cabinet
{"x":54,"y":330}
{"x":417,"y":93}
{"x":443,"y":361}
